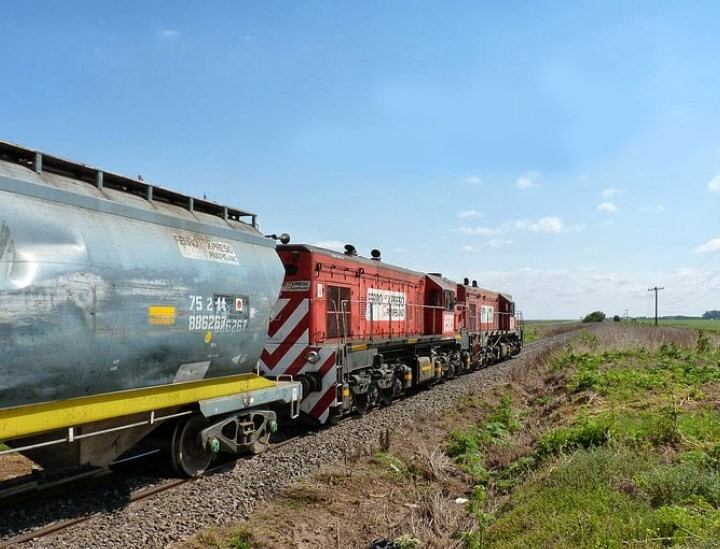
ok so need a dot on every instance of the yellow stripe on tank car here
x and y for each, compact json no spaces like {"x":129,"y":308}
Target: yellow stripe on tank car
{"x":37,"y":418}
{"x":161,"y":315}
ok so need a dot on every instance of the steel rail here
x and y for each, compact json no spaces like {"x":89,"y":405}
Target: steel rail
{"x":145,"y":493}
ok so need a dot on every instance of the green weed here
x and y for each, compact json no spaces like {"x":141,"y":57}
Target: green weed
{"x":406,"y":541}
{"x":389,"y":461}
{"x":588,"y":433}
{"x":679,"y":483}
{"x":241,"y":540}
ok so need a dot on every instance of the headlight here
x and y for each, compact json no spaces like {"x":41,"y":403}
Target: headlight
{"x":313,"y":357}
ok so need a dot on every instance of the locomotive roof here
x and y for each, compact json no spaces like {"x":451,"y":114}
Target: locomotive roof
{"x":87,"y":179}
{"x":480,"y":289}
{"x":440,"y":280}
{"x":444,"y":283}
{"x":340,"y":255}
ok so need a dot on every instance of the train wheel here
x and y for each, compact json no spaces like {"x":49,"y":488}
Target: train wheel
{"x":189,"y":457}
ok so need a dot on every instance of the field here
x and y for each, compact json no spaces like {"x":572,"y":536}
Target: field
{"x":612,"y":441}
{"x":537,"y":329}
{"x":694,"y":323}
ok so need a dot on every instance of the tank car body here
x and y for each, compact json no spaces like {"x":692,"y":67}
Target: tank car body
{"x":119,"y":298}
{"x":103,"y":290}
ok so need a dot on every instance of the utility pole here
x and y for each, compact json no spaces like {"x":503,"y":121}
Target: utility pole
{"x":656,"y":290}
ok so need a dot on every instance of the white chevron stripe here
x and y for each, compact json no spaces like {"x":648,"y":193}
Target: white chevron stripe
{"x":288,"y":326}
{"x":330,"y":378}
{"x":291,"y":353}
{"x":279,"y":306}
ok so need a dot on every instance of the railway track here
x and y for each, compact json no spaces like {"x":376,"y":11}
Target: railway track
{"x":149,"y":492}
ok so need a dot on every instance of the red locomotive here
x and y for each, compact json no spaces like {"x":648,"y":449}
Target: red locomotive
{"x":358,"y":332}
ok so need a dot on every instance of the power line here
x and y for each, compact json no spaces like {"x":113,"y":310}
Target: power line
{"x":702,"y":283}
{"x":656,"y":290}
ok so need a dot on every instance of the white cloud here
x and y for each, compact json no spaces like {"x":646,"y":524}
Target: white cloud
{"x":498,"y":242}
{"x":714,"y":184}
{"x":168,"y":34}
{"x":548,"y":224}
{"x":684,"y":272}
{"x":573,"y":292}
{"x":492,"y":243}
{"x":469,"y":213}
{"x":472,"y":180}
{"x":607,"y":207}
{"x":710,"y":246}
{"x":528,"y":180}
{"x":655,"y":208}
{"x":481,"y":231}
{"x":542,"y":225}
{"x":335,"y":245}
{"x":610,"y":192}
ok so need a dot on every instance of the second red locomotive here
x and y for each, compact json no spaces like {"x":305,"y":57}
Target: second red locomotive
{"x":358,"y":332}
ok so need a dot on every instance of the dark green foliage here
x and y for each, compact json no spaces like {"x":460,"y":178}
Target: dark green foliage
{"x":595,"y":316}
{"x":703,"y":343}
{"x":588,"y":433}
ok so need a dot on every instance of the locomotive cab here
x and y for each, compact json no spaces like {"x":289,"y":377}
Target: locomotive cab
{"x":440,"y":309}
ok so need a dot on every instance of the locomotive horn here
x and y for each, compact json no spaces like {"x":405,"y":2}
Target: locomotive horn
{"x":466,"y":281}
{"x":350,"y":249}
{"x":283,"y":238}
{"x":375,"y":254}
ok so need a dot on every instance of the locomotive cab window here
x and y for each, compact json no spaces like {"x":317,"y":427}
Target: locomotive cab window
{"x":449,"y":300}
{"x":338,"y":312}
{"x":434,"y":298}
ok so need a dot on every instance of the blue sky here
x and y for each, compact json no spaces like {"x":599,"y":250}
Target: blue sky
{"x":564,"y":153}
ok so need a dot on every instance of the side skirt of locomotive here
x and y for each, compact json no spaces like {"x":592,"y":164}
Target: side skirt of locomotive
{"x":374,"y":374}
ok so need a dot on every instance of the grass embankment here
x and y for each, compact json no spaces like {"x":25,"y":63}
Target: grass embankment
{"x":619,"y":446}
{"x":613,"y":441}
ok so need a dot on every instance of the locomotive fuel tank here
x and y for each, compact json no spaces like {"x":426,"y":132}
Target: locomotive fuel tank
{"x":108,"y":284}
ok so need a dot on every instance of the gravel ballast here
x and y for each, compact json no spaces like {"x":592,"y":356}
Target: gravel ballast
{"x":228,"y":497}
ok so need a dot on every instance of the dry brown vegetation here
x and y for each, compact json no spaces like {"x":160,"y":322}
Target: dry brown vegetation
{"x":539,"y":460}
{"x":402,"y":488}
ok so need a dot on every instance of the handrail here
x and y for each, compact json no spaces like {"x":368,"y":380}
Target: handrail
{"x":410,"y":325}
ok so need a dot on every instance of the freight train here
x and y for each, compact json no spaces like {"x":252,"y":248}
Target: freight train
{"x":127,"y":309}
